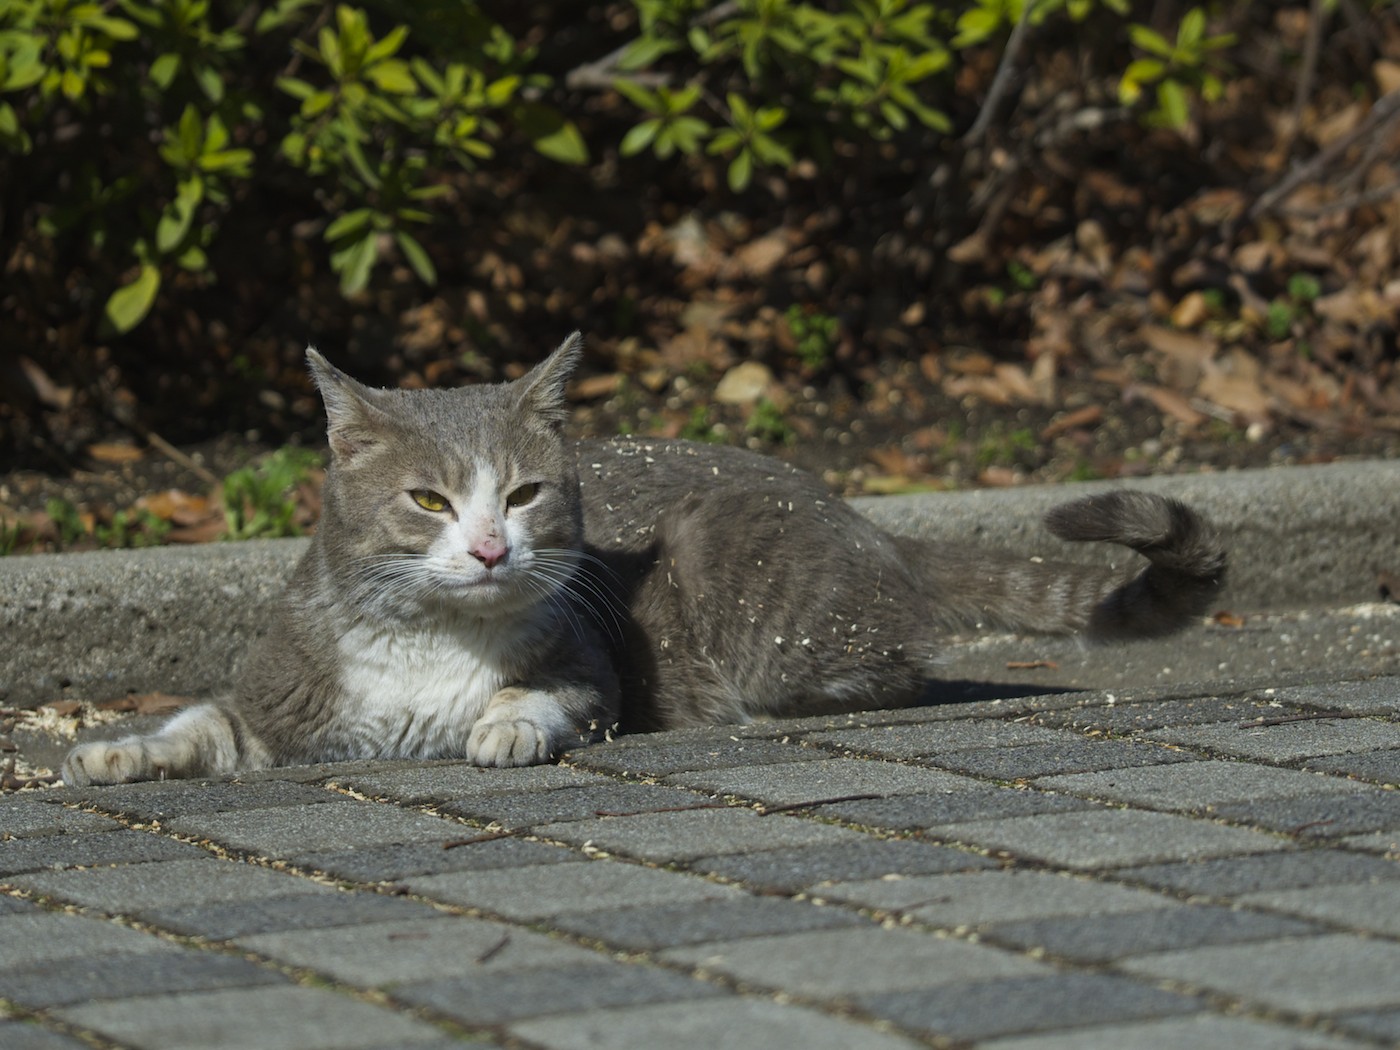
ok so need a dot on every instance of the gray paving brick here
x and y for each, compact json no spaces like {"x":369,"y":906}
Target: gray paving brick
{"x":1387,"y":842}
{"x":1326,"y":974}
{"x":1317,"y":818}
{"x":1380,"y":1025}
{"x":803,"y":867}
{"x":392,"y":861}
{"x":457,"y":780}
{"x":1139,"y":717}
{"x":138,"y":887}
{"x":1291,"y":740}
{"x":1026,"y":1004}
{"x":677,"y":837}
{"x":533,"y":893}
{"x":1108,"y":838}
{"x":221,"y":922}
{"x":26,"y":818}
{"x":652,"y":927}
{"x":53,"y":852}
{"x":705,"y":1025}
{"x":1196,"y":785}
{"x":1176,"y":1033}
{"x":973,"y":802}
{"x":846,"y":963}
{"x":1075,"y":755}
{"x":798,"y":782}
{"x":1373,"y":697}
{"x":583,"y":803}
{"x":16,"y":1035}
{"x":65,"y":982}
{"x":663,"y":759}
{"x":30,"y":939}
{"x":16,"y":905}
{"x":390,"y":953}
{"x":274,"y":1018}
{"x":332,"y":825}
{"x":162,"y":800}
{"x":498,"y":997}
{"x":1370,"y":906}
{"x":1228,"y":877}
{"x":923,"y":741}
{"x":1098,"y":938}
{"x":1382,"y":767}
{"x":979,"y":897}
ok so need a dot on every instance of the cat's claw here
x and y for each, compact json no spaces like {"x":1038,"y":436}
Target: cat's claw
{"x":508,"y":743}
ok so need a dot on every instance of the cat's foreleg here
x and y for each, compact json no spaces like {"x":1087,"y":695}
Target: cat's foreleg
{"x":202,"y":741}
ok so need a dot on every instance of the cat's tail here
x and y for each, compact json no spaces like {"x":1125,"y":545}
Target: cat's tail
{"x":1185,"y":571}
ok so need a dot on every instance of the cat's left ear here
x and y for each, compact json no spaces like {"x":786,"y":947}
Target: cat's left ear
{"x":542,"y":388}
{"x":354,"y":423}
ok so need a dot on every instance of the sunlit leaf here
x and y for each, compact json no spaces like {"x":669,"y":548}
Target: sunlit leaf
{"x":128,"y":306}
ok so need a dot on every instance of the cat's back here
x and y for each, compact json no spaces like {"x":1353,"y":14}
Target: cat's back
{"x":627,"y":485}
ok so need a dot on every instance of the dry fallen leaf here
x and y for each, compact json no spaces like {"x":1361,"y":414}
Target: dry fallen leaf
{"x":115,"y":453}
{"x":146,"y":703}
{"x":1228,"y":619}
{"x":1031,"y":665}
{"x":1088,"y":416}
{"x":63,"y":708}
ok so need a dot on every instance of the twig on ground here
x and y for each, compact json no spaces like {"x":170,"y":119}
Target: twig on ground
{"x":1311,"y":47}
{"x":1280,"y":720}
{"x":1386,"y":110}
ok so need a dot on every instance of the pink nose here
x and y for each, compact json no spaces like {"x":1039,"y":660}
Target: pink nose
{"x":490,"y":553}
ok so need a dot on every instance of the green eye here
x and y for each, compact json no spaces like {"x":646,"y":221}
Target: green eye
{"x":429,"y":500}
{"x":523,"y":495}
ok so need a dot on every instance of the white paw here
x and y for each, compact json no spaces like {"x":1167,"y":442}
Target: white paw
{"x":515,"y":742}
{"x":109,"y":763}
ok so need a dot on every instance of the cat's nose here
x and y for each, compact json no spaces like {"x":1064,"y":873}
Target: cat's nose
{"x":490,"y":554}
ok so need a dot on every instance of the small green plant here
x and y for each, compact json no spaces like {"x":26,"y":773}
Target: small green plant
{"x":136,"y":529}
{"x":1191,"y":63}
{"x":11,"y":536}
{"x":1022,"y":276}
{"x":68,"y":523}
{"x":999,"y":446}
{"x":698,"y":427}
{"x":815,"y":334}
{"x":767,"y":423}
{"x":1285,"y":311}
{"x":260,"y":501}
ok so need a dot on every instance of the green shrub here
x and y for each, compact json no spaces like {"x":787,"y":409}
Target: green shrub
{"x":132,"y":131}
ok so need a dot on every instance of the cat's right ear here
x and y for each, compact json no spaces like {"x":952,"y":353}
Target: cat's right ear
{"x":354,"y":423}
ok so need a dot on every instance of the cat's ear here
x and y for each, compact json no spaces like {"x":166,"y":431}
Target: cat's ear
{"x":542,"y":388}
{"x":354,"y":423}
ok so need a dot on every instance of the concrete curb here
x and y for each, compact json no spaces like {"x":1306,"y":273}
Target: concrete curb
{"x":102,"y":624}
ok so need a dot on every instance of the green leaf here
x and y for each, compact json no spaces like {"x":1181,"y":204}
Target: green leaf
{"x":1192,"y":28}
{"x":210,"y":82}
{"x":416,"y":256}
{"x":1171,"y":98}
{"x":350,"y":223}
{"x":1149,"y":40}
{"x":638,"y":95}
{"x":392,"y":75}
{"x":644,"y":51}
{"x":175,"y":222}
{"x":640,"y":137}
{"x":128,"y":306}
{"x":298,"y":89}
{"x":355,"y":263}
{"x":552,"y":135}
{"x":388,"y":45}
{"x":164,"y":68}
{"x":740,"y":171}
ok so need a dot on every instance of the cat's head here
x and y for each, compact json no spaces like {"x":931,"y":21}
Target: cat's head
{"x":461,"y":501}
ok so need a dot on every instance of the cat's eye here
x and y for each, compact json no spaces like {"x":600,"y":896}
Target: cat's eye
{"x":523,"y":495}
{"x":429,"y":500}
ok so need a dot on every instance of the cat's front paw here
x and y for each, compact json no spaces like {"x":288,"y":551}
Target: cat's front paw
{"x":107,"y":762}
{"x":520,"y":727}
{"x":515,"y":743}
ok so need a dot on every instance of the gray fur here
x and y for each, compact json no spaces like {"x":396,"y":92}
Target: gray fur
{"x":652,"y":584}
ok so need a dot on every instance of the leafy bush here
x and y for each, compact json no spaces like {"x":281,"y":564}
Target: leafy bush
{"x":130,"y":132}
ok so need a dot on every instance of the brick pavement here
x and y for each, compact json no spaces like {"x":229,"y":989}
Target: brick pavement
{"x":1087,"y":871}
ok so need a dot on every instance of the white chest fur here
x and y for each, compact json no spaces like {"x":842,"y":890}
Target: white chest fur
{"x":416,"y":692}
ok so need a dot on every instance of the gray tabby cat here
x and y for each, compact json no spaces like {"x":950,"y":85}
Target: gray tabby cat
{"x":479,"y":588}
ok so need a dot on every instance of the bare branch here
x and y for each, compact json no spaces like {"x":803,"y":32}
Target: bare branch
{"x":1002,"y":80}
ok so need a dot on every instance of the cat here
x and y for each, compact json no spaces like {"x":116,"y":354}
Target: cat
{"x":480,"y":588}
